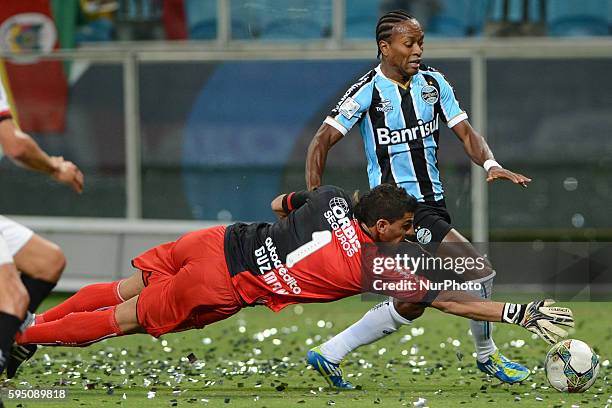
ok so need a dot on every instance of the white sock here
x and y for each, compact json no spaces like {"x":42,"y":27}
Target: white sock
{"x":378,"y":322}
{"x":482,"y":331}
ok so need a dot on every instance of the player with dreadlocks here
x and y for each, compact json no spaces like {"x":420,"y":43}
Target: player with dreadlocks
{"x":399,"y":106}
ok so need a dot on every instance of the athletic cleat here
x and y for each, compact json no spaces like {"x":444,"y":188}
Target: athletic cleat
{"x":503,"y":369}
{"x":19,"y":355}
{"x":330,"y":371}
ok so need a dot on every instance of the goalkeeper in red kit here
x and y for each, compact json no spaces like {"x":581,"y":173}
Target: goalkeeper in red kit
{"x":314,"y":253}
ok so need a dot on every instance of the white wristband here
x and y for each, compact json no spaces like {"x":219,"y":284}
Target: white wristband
{"x":490,"y":163}
{"x":5,"y":254}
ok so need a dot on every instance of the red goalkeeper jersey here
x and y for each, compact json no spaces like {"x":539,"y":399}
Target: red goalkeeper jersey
{"x":312,"y":255}
{"x":315,"y":254}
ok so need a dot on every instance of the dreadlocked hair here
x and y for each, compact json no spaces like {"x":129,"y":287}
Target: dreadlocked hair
{"x":385,"y":25}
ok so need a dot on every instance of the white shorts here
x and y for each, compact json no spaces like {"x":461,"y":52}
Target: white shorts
{"x":15,"y":235}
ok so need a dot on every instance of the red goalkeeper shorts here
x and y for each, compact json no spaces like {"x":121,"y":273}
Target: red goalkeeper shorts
{"x":187,"y":284}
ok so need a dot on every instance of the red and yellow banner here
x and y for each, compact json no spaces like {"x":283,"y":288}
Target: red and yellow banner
{"x":39,"y":89}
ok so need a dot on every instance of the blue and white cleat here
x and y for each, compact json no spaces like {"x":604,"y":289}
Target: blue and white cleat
{"x":330,"y":371}
{"x":503,"y":369}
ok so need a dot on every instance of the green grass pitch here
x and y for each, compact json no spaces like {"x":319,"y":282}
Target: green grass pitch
{"x":256,"y":359}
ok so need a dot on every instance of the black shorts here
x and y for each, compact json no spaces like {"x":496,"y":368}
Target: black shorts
{"x":431,"y":224}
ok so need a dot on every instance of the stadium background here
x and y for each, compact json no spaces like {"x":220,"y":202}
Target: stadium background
{"x":190,"y":113}
{"x":203,"y":110}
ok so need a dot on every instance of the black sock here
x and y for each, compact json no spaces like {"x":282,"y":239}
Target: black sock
{"x":38,"y":290}
{"x":9,"y":325}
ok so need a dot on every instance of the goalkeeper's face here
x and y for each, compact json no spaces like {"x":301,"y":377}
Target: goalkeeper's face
{"x":394,"y":232}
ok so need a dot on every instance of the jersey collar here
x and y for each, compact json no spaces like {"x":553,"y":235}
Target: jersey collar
{"x":366,"y":238}
{"x":403,"y":86}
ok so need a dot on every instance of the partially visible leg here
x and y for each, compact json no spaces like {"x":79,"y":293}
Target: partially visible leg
{"x":14,"y":301}
{"x":94,"y":297}
{"x":382,"y":320}
{"x":489,"y":359}
{"x":14,"y":298}
{"x":127,"y":318}
{"x":85,"y":328}
{"x":454,"y":246}
{"x":41,"y":263}
{"x":18,"y":241}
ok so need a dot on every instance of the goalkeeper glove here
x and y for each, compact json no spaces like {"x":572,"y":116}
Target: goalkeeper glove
{"x":540,"y":318}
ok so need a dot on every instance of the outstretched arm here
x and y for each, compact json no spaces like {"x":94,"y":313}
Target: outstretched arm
{"x":539,"y":317}
{"x":477,"y":148}
{"x":22,"y":149}
{"x":324,"y":139}
{"x":466,"y":305}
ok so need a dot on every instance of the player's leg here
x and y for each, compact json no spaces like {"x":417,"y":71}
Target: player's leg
{"x":378,"y":322}
{"x":455,"y":246}
{"x":14,"y":302}
{"x":435,"y":233}
{"x":41,"y":264}
{"x":84,"y":328}
{"x":95,"y":296}
{"x":489,"y":359}
{"x":88,"y":299}
{"x":14,"y":297}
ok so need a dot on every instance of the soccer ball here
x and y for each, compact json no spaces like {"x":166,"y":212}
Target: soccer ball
{"x":571,"y":366}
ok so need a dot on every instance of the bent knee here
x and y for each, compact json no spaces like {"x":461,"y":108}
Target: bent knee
{"x":16,"y":299}
{"x":407,"y":310}
{"x":51,"y":265}
{"x":57,"y":262}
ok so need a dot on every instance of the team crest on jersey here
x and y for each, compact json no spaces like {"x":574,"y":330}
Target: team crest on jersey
{"x":423,"y":235}
{"x":430,"y":94}
{"x":384,"y":106}
{"x":349,"y":107}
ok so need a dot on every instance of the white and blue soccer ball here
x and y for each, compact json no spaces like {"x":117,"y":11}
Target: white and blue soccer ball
{"x":571,"y":366}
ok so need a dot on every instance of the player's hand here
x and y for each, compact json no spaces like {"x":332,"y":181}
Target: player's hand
{"x":541,"y":318}
{"x":501,"y":173}
{"x":68,"y":173}
{"x":280,"y":214}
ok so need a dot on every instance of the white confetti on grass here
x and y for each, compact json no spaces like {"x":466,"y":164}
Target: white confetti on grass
{"x":417,"y":331}
{"x":420,"y":402}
